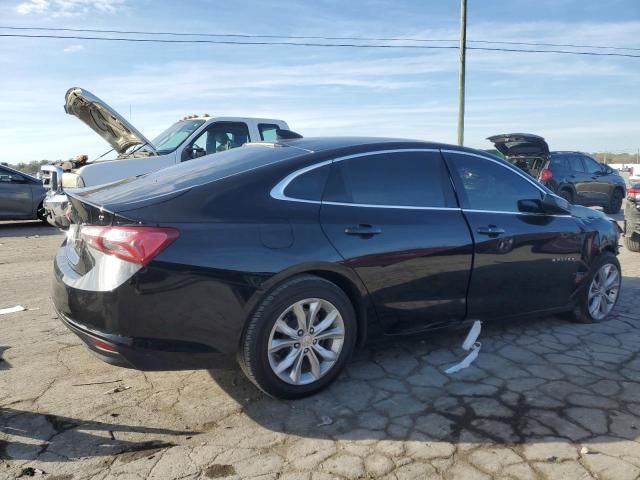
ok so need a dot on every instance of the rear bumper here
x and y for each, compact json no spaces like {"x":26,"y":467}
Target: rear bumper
{"x":146,"y":354}
{"x":56,"y":205}
{"x":123,"y":327}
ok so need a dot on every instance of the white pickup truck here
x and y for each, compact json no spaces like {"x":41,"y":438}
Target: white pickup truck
{"x":192,"y":137}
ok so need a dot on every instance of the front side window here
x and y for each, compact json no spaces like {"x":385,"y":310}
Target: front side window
{"x":268,"y":132}
{"x":219,"y":137}
{"x":491,"y":187}
{"x":591,"y":165}
{"x":173,"y":136}
{"x":413,"y":179}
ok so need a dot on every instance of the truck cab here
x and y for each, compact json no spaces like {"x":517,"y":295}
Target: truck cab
{"x":191,"y":137}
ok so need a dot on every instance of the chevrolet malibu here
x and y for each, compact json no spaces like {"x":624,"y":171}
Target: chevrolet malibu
{"x":289,"y":255}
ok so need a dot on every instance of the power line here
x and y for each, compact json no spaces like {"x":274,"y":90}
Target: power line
{"x":316,"y":44}
{"x":311,"y":37}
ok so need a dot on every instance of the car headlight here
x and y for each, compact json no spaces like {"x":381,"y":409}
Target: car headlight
{"x":72,"y":180}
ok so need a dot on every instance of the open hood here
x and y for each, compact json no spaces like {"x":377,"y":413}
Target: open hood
{"x":520,"y":144}
{"x":104,"y":120}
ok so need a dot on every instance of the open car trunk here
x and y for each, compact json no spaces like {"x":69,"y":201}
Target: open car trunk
{"x":526,"y":151}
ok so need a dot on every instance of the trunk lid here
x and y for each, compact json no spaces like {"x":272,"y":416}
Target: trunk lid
{"x":104,"y":120}
{"x":520,"y":145}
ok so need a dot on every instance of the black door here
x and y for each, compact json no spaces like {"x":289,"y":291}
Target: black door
{"x":523,"y":263}
{"x":393,"y":217}
{"x":580,"y":179}
{"x":599,"y":183}
{"x":15,"y":195}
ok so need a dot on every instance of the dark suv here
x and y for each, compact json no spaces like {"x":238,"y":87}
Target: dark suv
{"x":573,"y":175}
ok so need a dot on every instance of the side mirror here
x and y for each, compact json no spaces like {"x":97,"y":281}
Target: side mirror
{"x":197,"y":152}
{"x":550,"y":204}
{"x":554,"y":204}
{"x":532,"y":205}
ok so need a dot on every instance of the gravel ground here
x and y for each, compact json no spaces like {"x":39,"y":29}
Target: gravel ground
{"x":546,"y":399}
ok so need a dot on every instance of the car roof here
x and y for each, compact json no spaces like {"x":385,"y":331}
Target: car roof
{"x":319,"y":144}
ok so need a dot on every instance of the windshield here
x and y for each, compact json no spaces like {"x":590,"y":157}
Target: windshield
{"x":173,"y":136}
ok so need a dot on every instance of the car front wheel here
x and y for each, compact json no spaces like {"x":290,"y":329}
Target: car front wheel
{"x":600,"y":295}
{"x":615,"y":202}
{"x":299,"y":338}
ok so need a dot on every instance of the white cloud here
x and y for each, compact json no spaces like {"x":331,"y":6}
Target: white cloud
{"x":69,"y":8}
{"x":33,"y":6}
{"x":73,"y":48}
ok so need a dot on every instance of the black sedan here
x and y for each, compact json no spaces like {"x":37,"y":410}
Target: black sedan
{"x":290,"y":254}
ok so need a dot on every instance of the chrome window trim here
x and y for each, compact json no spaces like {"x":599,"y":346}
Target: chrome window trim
{"x":403,"y":207}
{"x":505,"y":212}
{"x":277,"y":192}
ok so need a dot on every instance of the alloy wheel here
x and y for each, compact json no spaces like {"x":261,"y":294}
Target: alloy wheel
{"x":603,"y":291}
{"x":306,"y":341}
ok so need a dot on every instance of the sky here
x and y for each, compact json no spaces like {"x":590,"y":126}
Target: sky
{"x":576,"y":102}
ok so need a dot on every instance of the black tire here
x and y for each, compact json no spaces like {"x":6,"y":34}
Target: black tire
{"x":615,"y":202}
{"x":581,"y":311}
{"x":566,"y":194}
{"x":253,"y":355}
{"x":632,"y":242}
{"x":42,"y":214}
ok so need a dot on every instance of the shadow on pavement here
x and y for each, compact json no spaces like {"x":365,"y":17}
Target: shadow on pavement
{"x":534,"y":381}
{"x":27,"y":228}
{"x":83,"y":438}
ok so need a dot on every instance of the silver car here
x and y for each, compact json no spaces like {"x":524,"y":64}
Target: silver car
{"x":21,"y":196}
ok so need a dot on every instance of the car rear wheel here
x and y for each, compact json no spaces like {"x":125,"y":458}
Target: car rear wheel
{"x":299,"y":338}
{"x":632,"y":242}
{"x":615,"y":202}
{"x":599,"y":297}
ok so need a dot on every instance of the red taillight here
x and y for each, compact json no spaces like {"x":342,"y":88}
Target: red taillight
{"x":545,"y":175}
{"x":133,"y":244}
{"x":633,"y":191}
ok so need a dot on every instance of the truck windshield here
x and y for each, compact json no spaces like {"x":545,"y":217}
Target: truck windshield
{"x":173,"y":136}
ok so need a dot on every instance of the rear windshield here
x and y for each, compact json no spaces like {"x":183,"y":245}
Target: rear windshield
{"x":186,"y":175}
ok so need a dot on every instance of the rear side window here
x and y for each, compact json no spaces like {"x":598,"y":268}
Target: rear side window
{"x":558,"y":161}
{"x":309,"y":185}
{"x":268,"y":131}
{"x":575,"y":162}
{"x":412,"y":179}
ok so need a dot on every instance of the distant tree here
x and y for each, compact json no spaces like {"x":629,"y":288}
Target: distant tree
{"x":32,"y":167}
{"x":607,"y":157}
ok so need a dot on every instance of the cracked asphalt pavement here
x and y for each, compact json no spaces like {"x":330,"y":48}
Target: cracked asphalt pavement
{"x":546,"y":399}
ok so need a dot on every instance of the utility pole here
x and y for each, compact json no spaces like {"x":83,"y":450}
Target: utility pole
{"x":463,"y":51}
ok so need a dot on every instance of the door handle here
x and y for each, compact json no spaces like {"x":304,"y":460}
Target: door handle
{"x":363,"y":230}
{"x":490,"y":230}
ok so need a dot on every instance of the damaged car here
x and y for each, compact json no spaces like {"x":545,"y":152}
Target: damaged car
{"x":289,"y":255}
{"x":574,"y":176}
{"x":192,"y":137}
